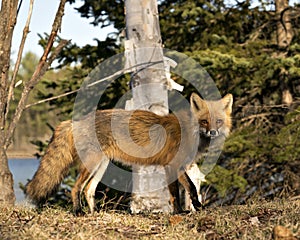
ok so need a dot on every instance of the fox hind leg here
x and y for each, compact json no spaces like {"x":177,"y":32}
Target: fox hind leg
{"x":90,"y":189}
{"x":81,"y":181}
{"x":174,"y":192}
{"x":173,"y":189}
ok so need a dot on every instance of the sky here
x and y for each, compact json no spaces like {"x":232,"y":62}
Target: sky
{"x":73,"y":26}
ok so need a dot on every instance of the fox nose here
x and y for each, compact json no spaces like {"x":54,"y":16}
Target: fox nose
{"x":213,"y":132}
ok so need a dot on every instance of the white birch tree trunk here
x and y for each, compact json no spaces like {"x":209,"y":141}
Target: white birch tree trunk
{"x":148,"y":82}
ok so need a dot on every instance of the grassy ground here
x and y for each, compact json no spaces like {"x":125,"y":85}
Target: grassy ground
{"x":252,"y":221}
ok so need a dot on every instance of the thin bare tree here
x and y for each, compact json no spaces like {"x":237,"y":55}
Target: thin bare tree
{"x":8,"y":15}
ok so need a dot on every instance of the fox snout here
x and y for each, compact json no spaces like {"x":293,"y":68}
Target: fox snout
{"x":212,"y":133}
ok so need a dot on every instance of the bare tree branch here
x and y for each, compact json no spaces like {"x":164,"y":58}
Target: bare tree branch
{"x":19,"y":58}
{"x":8,"y":15}
{"x":51,"y":98}
{"x":112,"y":76}
{"x":42,"y":67}
{"x":294,"y":12}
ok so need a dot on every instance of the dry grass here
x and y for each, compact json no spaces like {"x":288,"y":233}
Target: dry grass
{"x":252,"y":221}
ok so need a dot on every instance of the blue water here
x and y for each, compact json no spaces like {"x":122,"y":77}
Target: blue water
{"x":22,"y":170}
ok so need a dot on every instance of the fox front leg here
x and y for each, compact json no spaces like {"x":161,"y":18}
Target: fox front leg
{"x":189,"y":186}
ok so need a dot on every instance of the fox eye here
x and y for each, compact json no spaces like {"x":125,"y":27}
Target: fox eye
{"x":219,"y":121}
{"x":204,"y":122}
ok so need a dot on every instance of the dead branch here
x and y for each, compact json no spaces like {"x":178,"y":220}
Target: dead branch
{"x":253,"y":36}
{"x":42,"y":67}
{"x":293,"y":14}
{"x":116,"y":74}
{"x":263,"y":106}
{"x":51,"y":98}
{"x":260,"y":115}
{"x":19,"y":58}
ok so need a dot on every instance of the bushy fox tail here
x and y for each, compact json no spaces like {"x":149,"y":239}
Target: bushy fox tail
{"x":55,"y":164}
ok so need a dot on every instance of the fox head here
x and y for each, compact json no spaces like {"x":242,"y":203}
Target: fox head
{"x":213,"y":116}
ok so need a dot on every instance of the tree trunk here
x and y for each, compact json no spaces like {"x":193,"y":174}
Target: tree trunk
{"x":148,"y":83}
{"x":7,"y":195}
{"x":8,"y":16}
{"x":284,"y":26}
{"x":284,"y":38}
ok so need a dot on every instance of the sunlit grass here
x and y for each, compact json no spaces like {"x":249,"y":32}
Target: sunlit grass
{"x":255,"y":220}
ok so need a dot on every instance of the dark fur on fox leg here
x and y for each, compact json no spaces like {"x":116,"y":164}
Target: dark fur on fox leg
{"x":174,"y":194}
{"x":187,"y":183}
{"x":175,"y":199}
{"x":185,"y":180}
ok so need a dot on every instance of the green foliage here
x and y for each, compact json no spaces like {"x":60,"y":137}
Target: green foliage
{"x":32,"y":123}
{"x":286,"y":142}
{"x":104,"y":13}
{"x":224,"y":180}
{"x":267,"y":158}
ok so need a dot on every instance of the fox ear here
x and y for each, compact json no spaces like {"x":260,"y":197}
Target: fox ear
{"x":227,"y":103}
{"x":197,"y":103}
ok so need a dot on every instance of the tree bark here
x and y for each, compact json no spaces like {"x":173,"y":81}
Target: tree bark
{"x":284,"y":38}
{"x":7,"y":195}
{"x":149,"y":91}
{"x":8,"y":16}
{"x":284,"y":26}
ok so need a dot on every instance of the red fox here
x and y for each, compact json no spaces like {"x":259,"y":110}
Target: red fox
{"x":183,"y":134}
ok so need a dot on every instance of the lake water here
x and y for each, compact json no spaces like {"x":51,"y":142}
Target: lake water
{"x":22,"y":170}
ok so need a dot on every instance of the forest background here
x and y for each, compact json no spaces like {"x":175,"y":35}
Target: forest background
{"x":239,"y":47}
